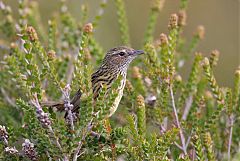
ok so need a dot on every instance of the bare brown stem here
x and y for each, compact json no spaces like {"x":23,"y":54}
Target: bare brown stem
{"x":178,"y":123}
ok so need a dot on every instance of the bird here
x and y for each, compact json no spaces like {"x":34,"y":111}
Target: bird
{"x":114,"y":65}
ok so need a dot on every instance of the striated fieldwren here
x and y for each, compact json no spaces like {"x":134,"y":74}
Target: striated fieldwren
{"x":115,"y":63}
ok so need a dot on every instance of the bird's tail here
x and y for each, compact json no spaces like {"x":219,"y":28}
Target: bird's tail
{"x":75,"y":101}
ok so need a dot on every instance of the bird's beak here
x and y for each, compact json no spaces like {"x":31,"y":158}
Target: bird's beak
{"x":137,"y":52}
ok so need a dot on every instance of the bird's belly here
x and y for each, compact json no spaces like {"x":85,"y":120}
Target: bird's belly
{"x":117,"y":100}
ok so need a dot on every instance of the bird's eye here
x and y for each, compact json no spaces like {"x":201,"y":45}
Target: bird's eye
{"x":121,"y":53}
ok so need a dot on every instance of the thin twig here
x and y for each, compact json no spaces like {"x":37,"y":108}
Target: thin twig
{"x":163,"y":130}
{"x":187,"y":107}
{"x":179,"y":146}
{"x":48,"y":155}
{"x":163,"y":126}
{"x":231,"y":121}
{"x":65,"y":158}
{"x":189,"y":139}
{"x":89,"y":128}
{"x":70,"y":115}
{"x":67,"y":105}
{"x":178,"y":123}
{"x":56,"y":139}
{"x":193,"y":154}
{"x":5,"y":141}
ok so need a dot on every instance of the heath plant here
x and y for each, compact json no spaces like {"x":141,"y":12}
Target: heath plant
{"x":160,"y":117}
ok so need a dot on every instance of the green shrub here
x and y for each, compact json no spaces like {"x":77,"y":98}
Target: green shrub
{"x":162,"y":117}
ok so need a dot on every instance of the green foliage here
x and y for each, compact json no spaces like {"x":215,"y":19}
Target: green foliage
{"x":122,"y":21}
{"x":153,"y":15}
{"x":208,"y":144}
{"x":161,"y":116}
{"x":198,"y":147}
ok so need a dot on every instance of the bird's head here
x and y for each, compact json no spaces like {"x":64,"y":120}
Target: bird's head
{"x":120,"y":57}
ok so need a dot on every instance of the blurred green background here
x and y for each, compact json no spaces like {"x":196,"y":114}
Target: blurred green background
{"x":220,"y":18}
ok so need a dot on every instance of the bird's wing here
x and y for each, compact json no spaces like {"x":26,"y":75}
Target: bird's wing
{"x":76,"y":100}
{"x":54,"y":104}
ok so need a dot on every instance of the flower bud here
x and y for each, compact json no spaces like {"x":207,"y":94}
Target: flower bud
{"x":11,"y":150}
{"x":215,"y":53}
{"x":163,"y":39}
{"x":205,"y":62}
{"x":136,"y":73}
{"x":88,"y":28}
{"x":51,"y":54}
{"x":140,"y":101}
{"x":129,"y":86}
{"x":178,"y":78}
{"x":214,"y":57}
{"x":29,"y":150}
{"x":200,"y":32}
{"x":173,"y":21}
{"x":158,"y":5}
{"x":13,"y":45}
{"x":3,"y":134}
{"x":182,"y":18}
{"x":32,"y":33}
{"x":237,"y":73}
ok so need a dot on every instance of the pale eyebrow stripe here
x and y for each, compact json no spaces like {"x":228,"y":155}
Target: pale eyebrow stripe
{"x":116,"y":52}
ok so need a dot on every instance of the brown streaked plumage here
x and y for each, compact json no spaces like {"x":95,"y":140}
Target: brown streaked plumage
{"x":115,"y":63}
